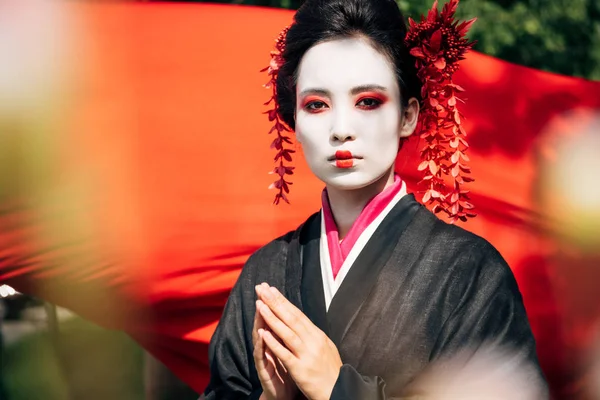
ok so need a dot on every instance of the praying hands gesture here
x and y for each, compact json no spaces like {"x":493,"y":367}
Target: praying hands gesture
{"x":274,"y":378}
{"x":290,"y":352}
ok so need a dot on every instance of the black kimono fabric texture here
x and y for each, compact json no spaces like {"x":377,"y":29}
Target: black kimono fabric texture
{"x":421,"y":290}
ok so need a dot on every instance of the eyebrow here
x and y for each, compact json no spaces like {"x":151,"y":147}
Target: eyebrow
{"x":354,"y":91}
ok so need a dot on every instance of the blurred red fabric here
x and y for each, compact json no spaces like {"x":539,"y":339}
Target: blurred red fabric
{"x":165,"y":141}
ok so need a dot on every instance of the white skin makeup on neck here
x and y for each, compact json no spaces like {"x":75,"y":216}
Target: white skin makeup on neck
{"x":349,"y":120}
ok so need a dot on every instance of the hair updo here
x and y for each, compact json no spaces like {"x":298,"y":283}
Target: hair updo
{"x":316,"y":21}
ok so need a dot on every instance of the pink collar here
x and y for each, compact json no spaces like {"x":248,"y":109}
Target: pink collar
{"x":339,"y":251}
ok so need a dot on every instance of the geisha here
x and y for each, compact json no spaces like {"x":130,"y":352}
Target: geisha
{"x":374,"y":288}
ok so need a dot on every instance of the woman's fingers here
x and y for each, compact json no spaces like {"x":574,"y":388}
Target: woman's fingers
{"x":285,"y":311}
{"x":279,"y":329}
{"x":277,"y":349}
{"x":259,"y":323}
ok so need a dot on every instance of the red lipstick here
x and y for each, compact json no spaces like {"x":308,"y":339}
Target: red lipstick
{"x":344,"y":159}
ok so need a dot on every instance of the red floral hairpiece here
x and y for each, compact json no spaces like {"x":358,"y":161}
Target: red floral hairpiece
{"x":283,"y":153}
{"x":438,"y":44}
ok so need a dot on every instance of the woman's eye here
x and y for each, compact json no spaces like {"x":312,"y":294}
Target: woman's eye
{"x":369,"y":103}
{"x":316,"y":106}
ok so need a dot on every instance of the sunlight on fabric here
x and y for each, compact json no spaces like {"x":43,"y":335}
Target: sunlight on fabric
{"x":7,"y":291}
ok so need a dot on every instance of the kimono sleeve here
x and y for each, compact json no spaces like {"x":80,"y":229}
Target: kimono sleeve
{"x":352,"y":385}
{"x":490,"y":310}
{"x":490,"y":318}
{"x":489,"y":313}
{"x":232,"y":371}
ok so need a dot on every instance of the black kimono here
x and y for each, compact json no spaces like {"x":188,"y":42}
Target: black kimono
{"x":419,"y":291}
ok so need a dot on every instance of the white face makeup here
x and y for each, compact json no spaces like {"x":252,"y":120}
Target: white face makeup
{"x":348,"y":113}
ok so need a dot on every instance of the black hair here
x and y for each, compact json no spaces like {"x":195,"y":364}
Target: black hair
{"x":316,"y":21}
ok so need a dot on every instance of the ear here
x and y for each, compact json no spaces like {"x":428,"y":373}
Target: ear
{"x":410,"y":118}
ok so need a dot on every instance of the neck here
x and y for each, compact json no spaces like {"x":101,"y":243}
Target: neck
{"x":346,"y":205}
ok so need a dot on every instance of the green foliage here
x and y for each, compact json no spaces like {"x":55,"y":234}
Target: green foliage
{"x":561,"y":36}
{"x":88,"y":363}
{"x":555,"y":35}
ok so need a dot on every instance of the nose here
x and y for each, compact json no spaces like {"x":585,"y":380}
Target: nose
{"x":342,"y":137}
{"x":341,"y":130}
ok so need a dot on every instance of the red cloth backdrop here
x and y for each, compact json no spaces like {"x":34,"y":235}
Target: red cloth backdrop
{"x":162,"y":161}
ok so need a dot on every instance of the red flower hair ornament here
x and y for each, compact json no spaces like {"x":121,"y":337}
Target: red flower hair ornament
{"x":438,"y":43}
